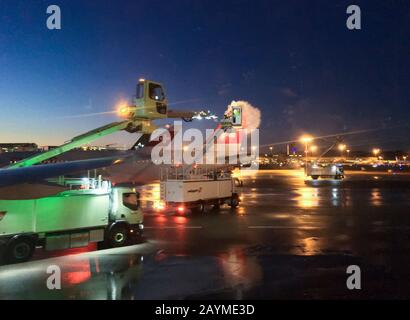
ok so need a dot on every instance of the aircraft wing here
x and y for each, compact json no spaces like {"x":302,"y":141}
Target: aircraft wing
{"x":9,"y":177}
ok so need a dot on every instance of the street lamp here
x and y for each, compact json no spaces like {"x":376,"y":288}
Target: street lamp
{"x":306,"y":140}
{"x":376,"y":152}
{"x":271,"y":151}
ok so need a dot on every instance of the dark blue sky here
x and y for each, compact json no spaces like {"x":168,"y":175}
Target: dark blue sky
{"x":295,"y":60}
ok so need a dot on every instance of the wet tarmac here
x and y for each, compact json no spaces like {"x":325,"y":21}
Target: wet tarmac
{"x":289,"y":239}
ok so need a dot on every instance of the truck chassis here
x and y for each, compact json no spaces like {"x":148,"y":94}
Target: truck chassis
{"x":198,"y":188}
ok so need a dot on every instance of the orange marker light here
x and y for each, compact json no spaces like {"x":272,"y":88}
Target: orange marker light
{"x":123,"y":111}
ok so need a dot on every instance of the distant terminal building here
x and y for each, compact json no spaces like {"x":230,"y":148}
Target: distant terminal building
{"x":18,"y":147}
{"x":109,"y":147}
{"x":47,"y":148}
{"x":86,"y":148}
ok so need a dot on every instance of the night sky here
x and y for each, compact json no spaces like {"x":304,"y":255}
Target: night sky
{"x":295,"y":60}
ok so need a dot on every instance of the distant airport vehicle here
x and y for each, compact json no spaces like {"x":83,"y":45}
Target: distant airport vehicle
{"x":89,"y":210}
{"x":193,"y":190}
{"x":318,"y":170}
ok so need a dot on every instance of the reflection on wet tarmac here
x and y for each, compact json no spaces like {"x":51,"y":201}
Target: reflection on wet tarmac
{"x":84,"y":276}
{"x":290,"y":238}
{"x":308,"y":197}
{"x":376,"y":198}
{"x":239,"y":271}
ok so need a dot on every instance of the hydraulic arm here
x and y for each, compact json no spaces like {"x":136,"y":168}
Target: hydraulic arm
{"x":76,"y":142}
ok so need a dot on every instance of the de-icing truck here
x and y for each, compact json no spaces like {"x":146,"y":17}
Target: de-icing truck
{"x":89,"y":210}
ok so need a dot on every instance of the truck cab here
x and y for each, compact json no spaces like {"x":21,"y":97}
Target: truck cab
{"x":125,"y":218}
{"x":150,"y":100}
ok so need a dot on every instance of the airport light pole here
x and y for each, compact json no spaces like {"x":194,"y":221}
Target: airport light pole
{"x":342,"y":147}
{"x":376,"y":152}
{"x":306,"y":140}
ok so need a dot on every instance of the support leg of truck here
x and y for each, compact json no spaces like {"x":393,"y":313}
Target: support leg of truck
{"x":234,"y":202}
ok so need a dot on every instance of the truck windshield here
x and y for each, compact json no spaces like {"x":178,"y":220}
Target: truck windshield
{"x":140,"y":91}
{"x":131,"y":200}
{"x":156,"y":92}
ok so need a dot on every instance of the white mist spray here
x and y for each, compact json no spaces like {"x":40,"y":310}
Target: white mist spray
{"x":251,"y":116}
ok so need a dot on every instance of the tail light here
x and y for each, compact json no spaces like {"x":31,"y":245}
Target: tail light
{"x":181,"y":209}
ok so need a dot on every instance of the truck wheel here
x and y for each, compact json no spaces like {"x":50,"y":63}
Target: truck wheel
{"x":200,"y":208}
{"x":315,"y":177}
{"x":20,"y":250}
{"x":118,"y":236}
{"x":234,"y":202}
